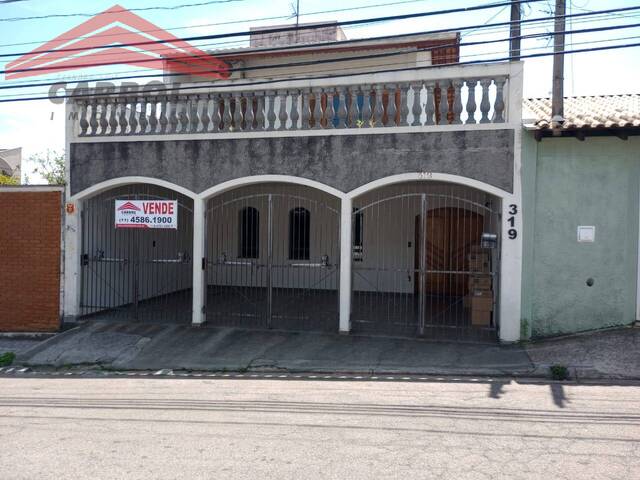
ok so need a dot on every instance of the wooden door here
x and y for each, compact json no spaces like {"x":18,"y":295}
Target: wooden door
{"x":449,"y":232}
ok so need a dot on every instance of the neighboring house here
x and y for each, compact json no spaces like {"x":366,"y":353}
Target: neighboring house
{"x":11,"y":162}
{"x":581,"y":207}
{"x":371,"y":195}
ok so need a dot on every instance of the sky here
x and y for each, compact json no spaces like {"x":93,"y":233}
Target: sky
{"x":39,"y":125}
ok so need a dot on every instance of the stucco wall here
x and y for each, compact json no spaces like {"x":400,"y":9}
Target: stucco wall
{"x":567,"y":183}
{"x":341,"y":161}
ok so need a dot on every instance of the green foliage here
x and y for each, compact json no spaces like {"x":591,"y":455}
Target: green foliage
{"x":7,"y":359}
{"x":50,"y":166}
{"x":559,"y":372}
{"x":7,"y":180}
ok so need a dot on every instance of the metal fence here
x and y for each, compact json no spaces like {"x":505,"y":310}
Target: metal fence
{"x":425,"y":262}
{"x":136,"y":274}
{"x":273,"y":259}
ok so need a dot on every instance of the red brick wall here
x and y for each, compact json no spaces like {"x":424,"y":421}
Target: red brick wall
{"x":30,"y":261}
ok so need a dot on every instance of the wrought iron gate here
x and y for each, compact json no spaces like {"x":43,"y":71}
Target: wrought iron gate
{"x":136,"y":274}
{"x":426,"y":263}
{"x":273,"y":261}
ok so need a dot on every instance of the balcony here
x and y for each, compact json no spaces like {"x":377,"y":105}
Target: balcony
{"x":477,"y":96}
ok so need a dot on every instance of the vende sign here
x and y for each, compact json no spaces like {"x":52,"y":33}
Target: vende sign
{"x":147,"y":214}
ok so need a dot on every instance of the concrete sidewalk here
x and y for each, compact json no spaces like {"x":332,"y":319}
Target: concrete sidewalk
{"x":137,"y":346}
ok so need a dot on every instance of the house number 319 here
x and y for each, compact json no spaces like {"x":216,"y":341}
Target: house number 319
{"x":511,"y":222}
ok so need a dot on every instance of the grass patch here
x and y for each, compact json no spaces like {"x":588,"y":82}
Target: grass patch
{"x":7,"y":359}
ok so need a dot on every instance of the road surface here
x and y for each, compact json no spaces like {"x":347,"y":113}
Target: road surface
{"x":104,"y":428}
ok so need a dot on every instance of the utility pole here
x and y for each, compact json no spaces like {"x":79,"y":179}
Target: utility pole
{"x":514,"y":31}
{"x":557,"y":100}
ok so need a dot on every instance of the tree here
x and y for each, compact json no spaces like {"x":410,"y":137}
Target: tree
{"x":50,"y":166}
{"x":7,"y":180}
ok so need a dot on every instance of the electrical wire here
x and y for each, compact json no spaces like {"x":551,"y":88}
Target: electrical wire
{"x":359,"y":57}
{"x":231,"y":22}
{"x":268,"y":31}
{"x":140,"y":9}
{"x":325,"y":77}
{"x":490,"y":30}
{"x":474,"y":55}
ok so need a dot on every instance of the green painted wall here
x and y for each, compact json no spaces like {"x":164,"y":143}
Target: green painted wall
{"x":567,"y":183}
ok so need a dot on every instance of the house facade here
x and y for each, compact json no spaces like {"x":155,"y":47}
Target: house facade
{"x":581,"y":209}
{"x":11,"y":163}
{"x":376,"y":197}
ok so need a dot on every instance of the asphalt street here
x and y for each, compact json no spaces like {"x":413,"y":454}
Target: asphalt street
{"x":108,"y":428}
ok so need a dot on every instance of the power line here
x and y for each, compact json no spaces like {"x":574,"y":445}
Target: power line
{"x":389,"y":37}
{"x":333,"y":60}
{"x":267,"y":31}
{"x":342,"y":69}
{"x":325,"y":77}
{"x":290,"y":47}
{"x":231,"y":22}
{"x":140,"y":9}
{"x":487,"y":29}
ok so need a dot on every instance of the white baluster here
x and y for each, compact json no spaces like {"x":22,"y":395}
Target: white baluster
{"x":485,"y":106}
{"x":471,"y":101}
{"x":498,"y":107}
{"x":430,"y":106}
{"x":391,"y":106}
{"x":378,"y":110}
{"x":457,"y":101}
{"x":404,"y":104}
{"x":367,"y":113}
{"x":416,"y":108}
{"x":282,"y":110}
{"x":294,"y":115}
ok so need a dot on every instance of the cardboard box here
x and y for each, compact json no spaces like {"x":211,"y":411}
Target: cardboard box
{"x":480,"y":282}
{"x":480,"y":257}
{"x":481,"y":300}
{"x":480,"y":318}
{"x":483,"y":304}
{"x":479,"y":266}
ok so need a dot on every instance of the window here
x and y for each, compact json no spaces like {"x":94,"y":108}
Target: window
{"x":299,"y":230}
{"x":358,"y":234}
{"x":249,"y":233}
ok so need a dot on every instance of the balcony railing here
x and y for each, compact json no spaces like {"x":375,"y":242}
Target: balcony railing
{"x":417,"y":98}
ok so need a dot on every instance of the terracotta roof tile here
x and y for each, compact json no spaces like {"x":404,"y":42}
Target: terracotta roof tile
{"x":601,"y":111}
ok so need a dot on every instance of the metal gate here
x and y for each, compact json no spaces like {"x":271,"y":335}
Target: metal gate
{"x":136,"y":274}
{"x":425,"y":262}
{"x":273,"y":260}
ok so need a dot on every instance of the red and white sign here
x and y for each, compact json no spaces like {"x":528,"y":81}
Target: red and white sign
{"x":147,"y":214}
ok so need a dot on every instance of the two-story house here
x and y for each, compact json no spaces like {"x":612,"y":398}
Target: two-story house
{"x":368,"y":186}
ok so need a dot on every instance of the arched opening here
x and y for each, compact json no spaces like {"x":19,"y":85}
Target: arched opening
{"x":136,"y":261}
{"x":273,"y":257}
{"x":426,"y":261}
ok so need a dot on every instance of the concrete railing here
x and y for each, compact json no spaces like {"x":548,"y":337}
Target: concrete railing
{"x":417,"y":98}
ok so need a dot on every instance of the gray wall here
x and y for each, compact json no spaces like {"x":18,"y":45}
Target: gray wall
{"x":567,"y":183}
{"x":344,"y":162}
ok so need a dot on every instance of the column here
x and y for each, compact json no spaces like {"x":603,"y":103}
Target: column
{"x":345,"y":265}
{"x":72,"y":252}
{"x":199,"y":262}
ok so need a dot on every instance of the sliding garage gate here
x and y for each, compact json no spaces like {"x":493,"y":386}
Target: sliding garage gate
{"x":425,"y":262}
{"x":136,"y":273}
{"x":273,"y":258}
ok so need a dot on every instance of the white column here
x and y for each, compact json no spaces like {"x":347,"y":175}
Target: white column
{"x":199,"y":273}
{"x":72,"y":251}
{"x":345,"y":265}
{"x":511,"y":258}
